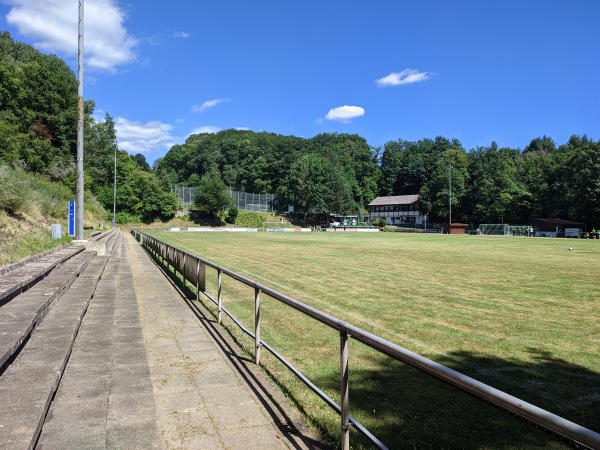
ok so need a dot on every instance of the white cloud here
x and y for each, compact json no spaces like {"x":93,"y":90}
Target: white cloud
{"x":208,"y":104}
{"x":210,"y":129}
{"x":182,"y":35}
{"x":138,"y":137}
{"x":407,"y":76}
{"x":53,"y":26}
{"x":345,"y":114}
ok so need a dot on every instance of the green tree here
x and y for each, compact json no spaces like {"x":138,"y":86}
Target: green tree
{"x":100,"y":146}
{"x":38,"y":96}
{"x":307,"y":183}
{"x":141,"y":162}
{"x":423,"y":168}
{"x":496,"y":192}
{"x":540,"y":168}
{"x":212,"y":197}
{"x":580,"y":180}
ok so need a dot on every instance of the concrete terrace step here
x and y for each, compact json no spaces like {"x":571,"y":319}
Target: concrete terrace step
{"x":102,"y":243}
{"x":120,"y":361}
{"x":29,"y":383}
{"x":105,"y":235}
{"x":109,"y":369}
{"x":19,"y":277}
{"x":19,"y":317}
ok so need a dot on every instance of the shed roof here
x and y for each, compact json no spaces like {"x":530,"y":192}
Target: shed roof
{"x":395,"y":200}
{"x":554,"y":221}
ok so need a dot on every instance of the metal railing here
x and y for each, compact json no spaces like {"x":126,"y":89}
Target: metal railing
{"x":193,"y":269}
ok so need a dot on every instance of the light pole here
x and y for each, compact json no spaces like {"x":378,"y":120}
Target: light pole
{"x":79,"y":183}
{"x":114,"y":221}
{"x":449,"y":194}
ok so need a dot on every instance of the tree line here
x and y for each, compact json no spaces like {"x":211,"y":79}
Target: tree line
{"x":341,"y":173}
{"x":331,"y":172}
{"x":38,"y":133}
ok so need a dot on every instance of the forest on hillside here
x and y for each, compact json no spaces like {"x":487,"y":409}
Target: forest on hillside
{"x":341,"y":173}
{"x":38,"y":134}
{"x":331,"y":172}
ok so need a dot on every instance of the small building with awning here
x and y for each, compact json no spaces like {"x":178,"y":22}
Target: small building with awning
{"x":553,"y":227}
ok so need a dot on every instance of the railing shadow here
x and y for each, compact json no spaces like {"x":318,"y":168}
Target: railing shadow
{"x":275,"y":403}
{"x":407,"y":409}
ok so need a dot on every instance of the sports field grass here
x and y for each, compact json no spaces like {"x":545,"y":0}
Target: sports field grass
{"x":520,"y":314}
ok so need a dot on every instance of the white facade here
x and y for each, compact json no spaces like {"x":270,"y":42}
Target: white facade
{"x":397,"y":210}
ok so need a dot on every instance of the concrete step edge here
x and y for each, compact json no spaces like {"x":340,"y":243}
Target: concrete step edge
{"x":26,"y":281}
{"x":38,"y":315}
{"x":14,"y":430}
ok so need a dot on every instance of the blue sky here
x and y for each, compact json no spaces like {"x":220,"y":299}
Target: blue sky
{"x":478,"y":71}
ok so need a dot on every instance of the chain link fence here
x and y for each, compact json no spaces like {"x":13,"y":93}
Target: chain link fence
{"x":245,"y":201}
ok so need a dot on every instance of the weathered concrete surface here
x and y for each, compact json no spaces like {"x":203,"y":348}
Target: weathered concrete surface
{"x":124,"y":361}
{"x":207,"y":396}
{"x":18,"y":277}
{"x":105,"y":399}
{"x":28,"y":384}
{"x":19,"y":317}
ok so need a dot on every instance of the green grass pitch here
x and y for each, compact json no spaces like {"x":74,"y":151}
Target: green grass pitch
{"x":520,"y":314}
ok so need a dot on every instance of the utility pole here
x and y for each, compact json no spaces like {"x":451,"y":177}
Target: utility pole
{"x":450,"y":194}
{"x":80,"y":112}
{"x":114,"y":221}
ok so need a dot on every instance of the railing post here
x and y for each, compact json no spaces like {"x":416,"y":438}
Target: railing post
{"x":220,"y":295}
{"x":257,"y":325}
{"x":344,"y":391}
{"x":197,"y":280}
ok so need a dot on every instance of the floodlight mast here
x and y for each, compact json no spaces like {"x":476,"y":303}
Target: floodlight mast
{"x":450,"y":194}
{"x":114,"y":220}
{"x":80,"y":112}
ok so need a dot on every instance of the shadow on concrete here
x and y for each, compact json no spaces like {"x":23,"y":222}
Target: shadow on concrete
{"x":285,"y":418}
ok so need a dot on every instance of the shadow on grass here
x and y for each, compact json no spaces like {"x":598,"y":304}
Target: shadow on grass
{"x":406,"y":408}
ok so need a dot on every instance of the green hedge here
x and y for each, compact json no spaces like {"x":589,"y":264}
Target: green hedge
{"x":249,"y":219}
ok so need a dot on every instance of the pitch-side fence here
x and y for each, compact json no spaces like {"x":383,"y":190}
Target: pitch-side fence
{"x":244,"y":201}
{"x":193,"y":269}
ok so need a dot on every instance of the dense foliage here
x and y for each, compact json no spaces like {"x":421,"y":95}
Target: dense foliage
{"x":38,"y":132}
{"x":498,"y":185}
{"x":340,"y":173}
{"x":335,"y":173}
{"x":38,"y":100}
{"x":330,"y":173}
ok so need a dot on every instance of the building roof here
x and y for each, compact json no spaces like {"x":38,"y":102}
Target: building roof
{"x":395,"y":200}
{"x":551,"y":221}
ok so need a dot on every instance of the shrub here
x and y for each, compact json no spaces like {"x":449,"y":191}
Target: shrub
{"x":13,"y":191}
{"x":232,"y":214}
{"x":250,"y":219}
{"x":124,"y":217}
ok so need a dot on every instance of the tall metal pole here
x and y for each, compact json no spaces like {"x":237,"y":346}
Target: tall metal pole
{"x":114,"y":221}
{"x":449,"y":194}
{"x":79,"y":185}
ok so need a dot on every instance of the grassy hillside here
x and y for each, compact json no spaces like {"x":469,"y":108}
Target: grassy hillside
{"x":29,"y":205}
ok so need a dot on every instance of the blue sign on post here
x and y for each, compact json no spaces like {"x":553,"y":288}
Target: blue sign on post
{"x":72,"y":218}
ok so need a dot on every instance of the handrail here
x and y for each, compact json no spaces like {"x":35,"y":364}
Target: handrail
{"x":547,"y":421}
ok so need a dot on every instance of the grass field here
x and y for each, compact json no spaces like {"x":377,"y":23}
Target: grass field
{"x":520,"y":314}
